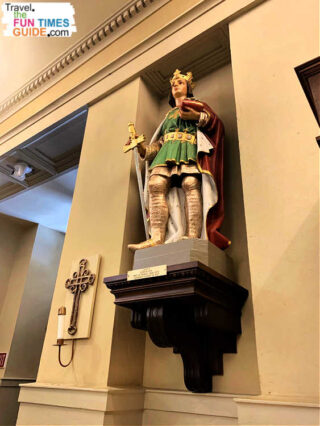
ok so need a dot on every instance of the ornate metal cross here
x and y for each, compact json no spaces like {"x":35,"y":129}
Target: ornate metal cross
{"x":78,"y":284}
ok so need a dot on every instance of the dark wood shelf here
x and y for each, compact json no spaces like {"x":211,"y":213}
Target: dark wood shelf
{"x":309,"y":77}
{"x":192,"y":309}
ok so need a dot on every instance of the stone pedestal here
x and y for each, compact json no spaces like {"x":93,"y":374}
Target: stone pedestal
{"x":186,"y":251}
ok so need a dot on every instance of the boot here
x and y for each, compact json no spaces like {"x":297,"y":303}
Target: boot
{"x":158,"y":187}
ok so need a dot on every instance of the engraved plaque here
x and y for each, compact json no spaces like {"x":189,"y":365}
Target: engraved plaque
{"x":154,"y":271}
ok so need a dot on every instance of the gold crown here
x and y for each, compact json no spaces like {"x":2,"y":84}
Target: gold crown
{"x":188,"y":77}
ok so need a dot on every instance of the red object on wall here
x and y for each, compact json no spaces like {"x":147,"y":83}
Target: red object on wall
{"x":3,"y":356}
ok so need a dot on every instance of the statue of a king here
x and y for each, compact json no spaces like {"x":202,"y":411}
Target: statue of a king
{"x":184,"y":171}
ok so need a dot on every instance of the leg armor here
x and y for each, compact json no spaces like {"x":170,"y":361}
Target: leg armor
{"x":158,"y":208}
{"x":192,"y":189}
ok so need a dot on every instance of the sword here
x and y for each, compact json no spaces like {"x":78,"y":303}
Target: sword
{"x":135,"y":140}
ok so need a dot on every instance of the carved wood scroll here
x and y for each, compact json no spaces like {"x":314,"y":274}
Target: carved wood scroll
{"x":192,"y":309}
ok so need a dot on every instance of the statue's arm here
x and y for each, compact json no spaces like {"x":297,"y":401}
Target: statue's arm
{"x":205,"y":120}
{"x":148,"y":152}
{"x":208,"y":120}
{"x":204,"y":117}
{"x":211,"y":126}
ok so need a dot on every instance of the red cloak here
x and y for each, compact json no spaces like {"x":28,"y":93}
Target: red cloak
{"x":212,"y":164}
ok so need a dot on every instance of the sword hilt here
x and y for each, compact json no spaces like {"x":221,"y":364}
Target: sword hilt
{"x":135,"y":140}
{"x":132,"y":130}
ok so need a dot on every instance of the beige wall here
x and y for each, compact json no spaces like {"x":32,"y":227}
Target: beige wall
{"x":134,"y":37}
{"x":122,"y":345}
{"x":105,"y":196}
{"x":27,"y":341}
{"x":16,"y":246}
{"x":163,"y":369}
{"x":280,"y":174}
{"x":33,"y":253}
{"x":35,"y":53}
{"x":10,"y":232}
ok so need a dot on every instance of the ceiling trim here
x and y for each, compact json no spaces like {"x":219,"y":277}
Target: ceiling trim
{"x":205,"y":16}
{"x":46,"y":165}
{"x":106,"y":33}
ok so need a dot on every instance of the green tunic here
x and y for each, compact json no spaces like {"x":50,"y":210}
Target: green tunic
{"x":175,"y":151}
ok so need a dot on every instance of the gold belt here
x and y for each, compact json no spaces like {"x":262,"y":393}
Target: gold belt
{"x":181,"y":136}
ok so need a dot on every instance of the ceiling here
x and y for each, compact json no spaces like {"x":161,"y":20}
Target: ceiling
{"x":49,"y":153}
{"x":45,"y":195}
{"x":48,"y":204}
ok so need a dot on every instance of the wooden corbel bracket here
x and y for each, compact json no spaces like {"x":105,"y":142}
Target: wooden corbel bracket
{"x":192,"y":309}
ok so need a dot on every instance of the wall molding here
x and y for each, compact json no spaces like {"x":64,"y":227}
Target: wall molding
{"x":267,"y":411}
{"x":123,"y":403}
{"x":131,"y":64}
{"x":49,"y":405}
{"x":210,"y":404}
{"x":106,"y":33}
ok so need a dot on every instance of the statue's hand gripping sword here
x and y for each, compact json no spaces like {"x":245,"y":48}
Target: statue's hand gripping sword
{"x":135,"y":141}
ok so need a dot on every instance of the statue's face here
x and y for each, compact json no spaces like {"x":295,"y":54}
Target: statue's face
{"x":179,"y":87}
